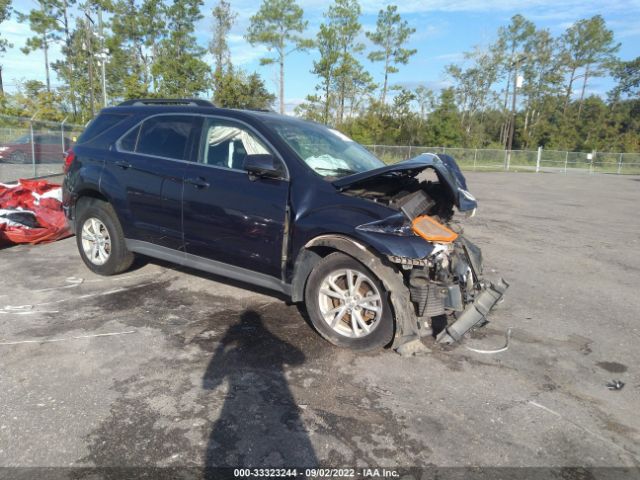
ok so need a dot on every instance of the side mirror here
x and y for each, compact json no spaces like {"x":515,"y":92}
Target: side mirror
{"x":262,"y":165}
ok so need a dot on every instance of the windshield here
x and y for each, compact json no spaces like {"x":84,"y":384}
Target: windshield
{"x":22,"y":140}
{"x":328,"y":152}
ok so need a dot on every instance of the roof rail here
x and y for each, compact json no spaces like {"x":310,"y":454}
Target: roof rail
{"x":167,"y":101}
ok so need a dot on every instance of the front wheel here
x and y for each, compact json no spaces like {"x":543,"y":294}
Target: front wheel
{"x":348,"y":305}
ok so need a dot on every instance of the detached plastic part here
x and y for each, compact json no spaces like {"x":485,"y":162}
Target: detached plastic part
{"x":474,"y":313}
{"x":433,"y":231}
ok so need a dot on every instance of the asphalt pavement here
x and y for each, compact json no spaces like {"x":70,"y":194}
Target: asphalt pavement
{"x":165,"y":367}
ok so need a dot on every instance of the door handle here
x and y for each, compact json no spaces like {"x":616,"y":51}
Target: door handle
{"x":122,"y":164}
{"x":198,"y":182}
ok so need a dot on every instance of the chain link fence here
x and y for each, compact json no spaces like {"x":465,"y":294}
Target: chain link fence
{"x":540,"y":160}
{"x":31,"y":148}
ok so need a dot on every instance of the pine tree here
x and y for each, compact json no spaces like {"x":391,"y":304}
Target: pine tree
{"x":42,"y":22}
{"x":178,"y":68}
{"x":391,"y":34}
{"x":5,"y":14}
{"x":279,"y":25}
{"x":223,"y":20}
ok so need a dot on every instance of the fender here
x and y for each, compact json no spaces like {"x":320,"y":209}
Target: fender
{"x":83,"y":177}
{"x":407,"y":326}
{"x":117,"y":197}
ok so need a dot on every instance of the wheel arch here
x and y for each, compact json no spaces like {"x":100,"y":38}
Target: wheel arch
{"x":90,"y":192}
{"x":406,"y":323}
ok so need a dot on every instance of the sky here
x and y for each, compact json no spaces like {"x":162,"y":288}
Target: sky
{"x":444,"y":30}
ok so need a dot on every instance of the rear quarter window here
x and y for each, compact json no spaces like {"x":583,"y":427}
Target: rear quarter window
{"x":100,"y":125}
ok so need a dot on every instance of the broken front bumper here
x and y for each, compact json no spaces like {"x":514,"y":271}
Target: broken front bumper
{"x":474,"y":314}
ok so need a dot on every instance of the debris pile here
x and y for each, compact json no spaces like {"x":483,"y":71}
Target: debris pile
{"x":31,"y":212}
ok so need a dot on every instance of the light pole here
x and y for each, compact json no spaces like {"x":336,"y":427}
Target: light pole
{"x":88,"y":47}
{"x":103,"y":58}
{"x":33,"y":145}
{"x":517,"y":82}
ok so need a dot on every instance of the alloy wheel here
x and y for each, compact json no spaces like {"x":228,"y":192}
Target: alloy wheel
{"x":96,"y":241}
{"x":350,"y":303}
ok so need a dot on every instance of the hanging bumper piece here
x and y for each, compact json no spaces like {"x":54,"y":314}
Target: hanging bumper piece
{"x":474,"y":314}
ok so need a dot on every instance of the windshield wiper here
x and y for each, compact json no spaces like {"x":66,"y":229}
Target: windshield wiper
{"x":344,"y":171}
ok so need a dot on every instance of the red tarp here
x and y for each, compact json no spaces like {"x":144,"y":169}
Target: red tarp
{"x":31,"y":212}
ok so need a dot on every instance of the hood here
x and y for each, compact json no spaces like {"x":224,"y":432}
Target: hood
{"x":446,"y":168}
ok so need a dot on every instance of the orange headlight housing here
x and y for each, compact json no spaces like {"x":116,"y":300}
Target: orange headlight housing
{"x":430,"y":230}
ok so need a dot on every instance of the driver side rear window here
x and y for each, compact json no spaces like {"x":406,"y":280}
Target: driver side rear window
{"x":163,"y":136}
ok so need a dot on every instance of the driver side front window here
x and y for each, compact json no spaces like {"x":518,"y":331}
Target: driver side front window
{"x":226,"y":145}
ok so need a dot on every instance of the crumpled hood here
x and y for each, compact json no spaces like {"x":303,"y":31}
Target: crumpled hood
{"x":446,"y":168}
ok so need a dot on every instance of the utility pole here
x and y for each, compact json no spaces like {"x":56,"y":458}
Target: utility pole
{"x":45,"y":48}
{"x":103,"y":58}
{"x":512,"y":128}
{"x":88,"y":44}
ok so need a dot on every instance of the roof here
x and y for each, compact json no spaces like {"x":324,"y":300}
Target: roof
{"x":144,"y":106}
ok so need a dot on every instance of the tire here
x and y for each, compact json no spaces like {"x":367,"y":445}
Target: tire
{"x":100,"y":239}
{"x":355,"y":310}
{"x":17,"y":157}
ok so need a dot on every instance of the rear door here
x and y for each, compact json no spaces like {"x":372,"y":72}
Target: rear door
{"x":228,"y":216}
{"x":149,"y":167}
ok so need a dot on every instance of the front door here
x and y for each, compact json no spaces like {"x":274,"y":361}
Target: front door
{"x":229,"y":217}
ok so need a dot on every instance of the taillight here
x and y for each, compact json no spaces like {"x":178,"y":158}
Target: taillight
{"x":68,"y":160}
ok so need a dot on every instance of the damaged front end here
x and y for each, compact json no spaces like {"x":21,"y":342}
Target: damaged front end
{"x":445,"y":284}
{"x":450,"y":285}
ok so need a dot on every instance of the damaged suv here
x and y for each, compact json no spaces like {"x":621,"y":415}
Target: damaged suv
{"x":286,"y":205}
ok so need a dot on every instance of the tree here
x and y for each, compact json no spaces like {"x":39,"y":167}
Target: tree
{"x":587,"y":45}
{"x":313,"y":109}
{"x":425,"y":100}
{"x":223,"y":20}
{"x":444,"y":122}
{"x":236,"y":89}
{"x":391,"y":34}
{"x":628,"y":76}
{"x":341,"y":74}
{"x":343,"y":18}
{"x":473,"y":87}
{"x":42,"y":21}
{"x":542,"y":73}
{"x":278,"y":25}
{"x":5,"y":14}
{"x":137,"y":34}
{"x":177,"y":66}
{"x":324,"y":68}
{"x":510,"y":47}
{"x":510,"y":43}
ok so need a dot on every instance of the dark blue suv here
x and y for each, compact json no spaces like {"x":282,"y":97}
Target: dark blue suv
{"x":285,"y":204}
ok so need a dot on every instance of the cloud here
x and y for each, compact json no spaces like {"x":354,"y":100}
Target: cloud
{"x":243,"y":53}
{"x":435,"y":85}
{"x":450,"y":57}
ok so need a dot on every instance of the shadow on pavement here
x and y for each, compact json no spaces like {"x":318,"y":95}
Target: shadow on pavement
{"x":259,"y":424}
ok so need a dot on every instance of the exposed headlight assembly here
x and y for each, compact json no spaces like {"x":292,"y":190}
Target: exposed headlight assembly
{"x":394,"y":225}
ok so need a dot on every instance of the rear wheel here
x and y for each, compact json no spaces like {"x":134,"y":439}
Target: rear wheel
{"x":100,"y":239}
{"x":18,"y":157}
{"x":348,"y":305}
